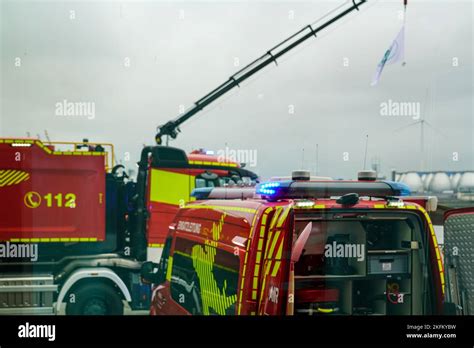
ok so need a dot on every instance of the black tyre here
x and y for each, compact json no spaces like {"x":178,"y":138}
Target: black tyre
{"x":95,"y":299}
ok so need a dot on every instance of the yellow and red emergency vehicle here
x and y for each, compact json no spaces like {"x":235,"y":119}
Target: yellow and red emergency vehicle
{"x":310,"y":247}
{"x":91,"y":227}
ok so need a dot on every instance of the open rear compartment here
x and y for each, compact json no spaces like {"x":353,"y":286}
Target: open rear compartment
{"x":364,"y":265}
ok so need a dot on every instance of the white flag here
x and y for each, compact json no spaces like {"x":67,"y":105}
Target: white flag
{"x":393,"y":55}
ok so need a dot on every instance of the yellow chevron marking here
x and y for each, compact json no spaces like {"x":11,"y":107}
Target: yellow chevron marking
{"x":11,"y":177}
{"x":275,"y":239}
{"x":283,"y":217}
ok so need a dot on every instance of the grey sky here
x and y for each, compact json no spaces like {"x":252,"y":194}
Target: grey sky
{"x":179,"y":51}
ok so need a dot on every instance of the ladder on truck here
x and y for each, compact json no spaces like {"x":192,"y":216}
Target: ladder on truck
{"x":27,"y":294}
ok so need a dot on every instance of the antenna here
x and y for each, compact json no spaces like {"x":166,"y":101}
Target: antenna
{"x":47,"y":136}
{"x":365,"y":156}
{"x":302,"y":159}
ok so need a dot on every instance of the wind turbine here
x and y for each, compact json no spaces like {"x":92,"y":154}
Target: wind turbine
{"x":422,"y":122}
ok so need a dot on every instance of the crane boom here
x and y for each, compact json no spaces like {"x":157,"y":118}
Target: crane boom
{"x":171,"y":128}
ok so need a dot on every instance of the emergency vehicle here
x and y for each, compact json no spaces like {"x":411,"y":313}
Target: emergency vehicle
{"x":306,"y":247}
{"x":91,"y":226}
{"x":94,"y":227}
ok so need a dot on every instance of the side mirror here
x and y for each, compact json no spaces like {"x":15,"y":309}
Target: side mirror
{"x":149,"y":272}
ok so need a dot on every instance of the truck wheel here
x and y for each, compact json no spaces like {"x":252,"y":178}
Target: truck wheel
{"x":95,"y":299}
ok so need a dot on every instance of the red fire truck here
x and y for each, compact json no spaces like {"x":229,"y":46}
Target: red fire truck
{"x":314,"y":247}
{"x":74,"y":230}
{"x":93,"y":227}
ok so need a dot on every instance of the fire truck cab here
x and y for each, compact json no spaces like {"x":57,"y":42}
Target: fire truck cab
{"x":309,"y":248}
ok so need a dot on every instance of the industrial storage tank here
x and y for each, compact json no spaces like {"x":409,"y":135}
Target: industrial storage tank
{"x":414,"y":182}
{"x":402,"y":177}
{"x":455,"y":181}
{"x":440,"y":183}
{"x":427,"y":181}
{"x":466,"y":186}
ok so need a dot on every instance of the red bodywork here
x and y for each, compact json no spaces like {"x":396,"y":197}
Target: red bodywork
{"x":459,"y":211}
{"x":56,"y":196}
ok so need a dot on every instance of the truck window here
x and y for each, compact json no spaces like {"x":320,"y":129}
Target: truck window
{"x":200,"y":182}
{"x":204,"y":279}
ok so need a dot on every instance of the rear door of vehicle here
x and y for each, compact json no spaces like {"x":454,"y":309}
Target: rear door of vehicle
{"x":275,"y":265}
{"x":459,"y":258}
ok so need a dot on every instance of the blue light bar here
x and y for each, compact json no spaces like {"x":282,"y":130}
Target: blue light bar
{"x":268,"y":188}
{"x":399,"y":188}
{"x":299,"y":189}
{"x":201,"y":193}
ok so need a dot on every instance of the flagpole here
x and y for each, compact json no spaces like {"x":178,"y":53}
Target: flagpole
{"x":405,"y":3}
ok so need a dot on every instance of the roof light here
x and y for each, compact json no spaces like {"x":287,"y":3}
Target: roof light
{"x":201,"y":193}
{"x":21,"y":145}
{"x":395,"y":204}
{"x":223,"y":193}
{"x":300,"y":175}
{"x":274,"y":190}
{"x":304,"y":204}
{"x":399,"y":188}
{"x":367,"y":175}
{"x":268,"y":188}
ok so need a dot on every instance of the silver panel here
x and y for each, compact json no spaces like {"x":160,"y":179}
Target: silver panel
{"x":27,"y":294}
{"x":459,"y":246}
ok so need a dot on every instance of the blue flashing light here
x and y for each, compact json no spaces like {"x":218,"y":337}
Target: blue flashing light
{"x":273,"y":188}
{"x":399,"y":188}
{"x":201,"y":193}
{"x":268,"y":188}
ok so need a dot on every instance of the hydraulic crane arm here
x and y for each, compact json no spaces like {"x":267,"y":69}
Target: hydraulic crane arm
{"x":171,"y":128}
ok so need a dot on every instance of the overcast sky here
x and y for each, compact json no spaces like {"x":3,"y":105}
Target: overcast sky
{"x":139,"y":61}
